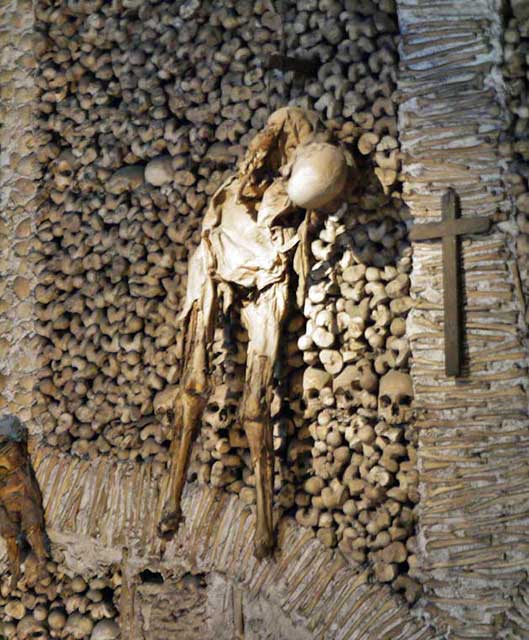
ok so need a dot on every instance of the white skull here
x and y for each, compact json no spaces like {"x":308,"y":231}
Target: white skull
{"x":314,"y":380}
{"x":395,"y":397}
{"x":318,"y":175}
{"x":105,"y":630}
{"x":30,"y":629}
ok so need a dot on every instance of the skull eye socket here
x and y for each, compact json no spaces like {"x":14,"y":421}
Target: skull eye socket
{"x":405,"y":401}
{"x":385,"y":401}
{"x":213,"y":407}
{"x":313,"y":393}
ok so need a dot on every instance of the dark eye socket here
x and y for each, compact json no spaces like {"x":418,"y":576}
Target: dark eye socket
{"x":213,"y":407}
{"x":385,"y":401}
{"x":406,"y":400}
{"x":313,"y":393}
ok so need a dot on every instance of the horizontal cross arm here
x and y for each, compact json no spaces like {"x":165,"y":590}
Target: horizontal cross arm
{"x":447,"y":228}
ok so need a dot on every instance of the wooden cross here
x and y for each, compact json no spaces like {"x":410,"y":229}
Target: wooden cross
{"x":449,"y":230}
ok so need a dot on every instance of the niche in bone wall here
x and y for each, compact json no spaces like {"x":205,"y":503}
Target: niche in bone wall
{"x":206,"y":606}
{"x":173,"y":608}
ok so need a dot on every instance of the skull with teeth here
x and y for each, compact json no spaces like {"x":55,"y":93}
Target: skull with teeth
{"x":395,"y":397}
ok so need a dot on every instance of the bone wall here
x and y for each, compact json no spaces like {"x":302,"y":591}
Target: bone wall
{"x":514,"y":147}
{"x":139,"y":129}
{"x":101,"y":67}
{"x":61,"y":605}
{"x":472,"y":431}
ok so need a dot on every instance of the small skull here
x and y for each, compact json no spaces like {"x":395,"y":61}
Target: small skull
{"x":165,"y":404}
{"x":395,"y":397}
{"x":63,"y":169}
{"x":314,"y":380}
{"x":346,"y":387}
{"x":220,"y":410}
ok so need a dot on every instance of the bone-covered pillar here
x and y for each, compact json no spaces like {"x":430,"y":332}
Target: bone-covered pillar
{"x":474,"y":430}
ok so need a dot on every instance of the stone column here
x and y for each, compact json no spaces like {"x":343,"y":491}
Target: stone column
{"x":474,"y":431}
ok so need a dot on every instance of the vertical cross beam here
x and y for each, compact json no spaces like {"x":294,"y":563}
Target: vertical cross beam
{"x":451,"y":290}
{"x":449,"y":230}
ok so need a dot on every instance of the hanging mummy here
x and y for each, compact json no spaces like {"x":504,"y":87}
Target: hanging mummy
{"x":254,"y":236}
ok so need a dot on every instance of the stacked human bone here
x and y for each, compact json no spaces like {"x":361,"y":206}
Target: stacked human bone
{"x":357,"y":390}
{"x":345,"y":451}
{"x":516,"y":72}
{"x":143,"y":110}
{"x":60,"y":606}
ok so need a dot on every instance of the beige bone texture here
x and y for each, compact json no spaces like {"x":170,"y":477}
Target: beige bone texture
{"x":253,"y":237}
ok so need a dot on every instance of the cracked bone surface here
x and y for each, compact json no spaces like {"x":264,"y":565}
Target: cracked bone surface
{"x":253,"y":238}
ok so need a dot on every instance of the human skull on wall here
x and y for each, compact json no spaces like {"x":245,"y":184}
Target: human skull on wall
{"x":395,"y":397}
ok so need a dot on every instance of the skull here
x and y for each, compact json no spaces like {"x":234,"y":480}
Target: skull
{"x":220,"y":409}
{"x":395,"y":397}
{"x":314,"y":380}
{"x":318,"y":175}
{"x":30,"y":629}
{"x":63,"y":169}
{"x":346,"y":387}
{"x":105,"y":630}
{"x":165,"y":404}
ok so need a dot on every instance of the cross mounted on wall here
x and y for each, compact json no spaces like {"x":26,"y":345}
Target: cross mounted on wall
{"x":449,"y":230}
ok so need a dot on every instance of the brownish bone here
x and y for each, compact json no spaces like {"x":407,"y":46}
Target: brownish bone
{"x":36,"y":539}
{"x":13,"y":555}
{"x":257,"y":426}
{"x":192,"y":408}
{"x":261,"y":450}
{"x":188,"y":414}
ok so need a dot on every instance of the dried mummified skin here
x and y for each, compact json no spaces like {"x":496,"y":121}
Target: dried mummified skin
{"x":253,"y":235}
{"x":20,"y":499}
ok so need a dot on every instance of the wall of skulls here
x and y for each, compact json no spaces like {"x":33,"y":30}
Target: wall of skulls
{"x":61,"y":605}
{"x":515,"y":147}
{"x":144,"y":109}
